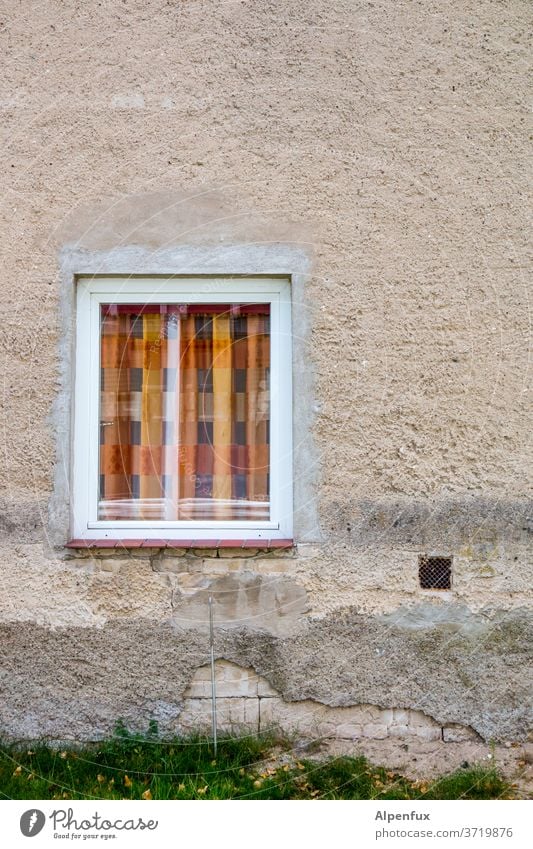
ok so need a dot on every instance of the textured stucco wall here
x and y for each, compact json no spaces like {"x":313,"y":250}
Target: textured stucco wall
{"x":387,"y":143}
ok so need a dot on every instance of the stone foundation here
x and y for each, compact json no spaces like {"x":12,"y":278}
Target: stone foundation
{"x":246,"y":702}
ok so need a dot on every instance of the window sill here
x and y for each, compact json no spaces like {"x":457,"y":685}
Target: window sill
{"x":261,"y":544}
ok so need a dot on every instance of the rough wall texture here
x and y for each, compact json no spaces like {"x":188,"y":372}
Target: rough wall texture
{"x":388,"y":140}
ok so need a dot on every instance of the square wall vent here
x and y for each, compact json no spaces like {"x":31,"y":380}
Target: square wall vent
{"x":435,"y":573}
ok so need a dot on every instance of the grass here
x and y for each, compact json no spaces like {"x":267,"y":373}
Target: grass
{"x":130,"y":766}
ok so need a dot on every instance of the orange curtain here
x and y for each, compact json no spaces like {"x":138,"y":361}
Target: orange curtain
{"x":132,"y":355}
{"x":185,"y":411}
{"x":189,"y":415}
{"x":222,"y":417}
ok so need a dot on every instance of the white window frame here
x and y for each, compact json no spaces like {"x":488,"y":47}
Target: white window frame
{"x":91,"y":293}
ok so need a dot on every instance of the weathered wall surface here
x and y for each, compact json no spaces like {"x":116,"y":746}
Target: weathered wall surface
{"x":387,"y":141}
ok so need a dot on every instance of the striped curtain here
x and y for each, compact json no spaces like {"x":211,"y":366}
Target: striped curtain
{"x":184,"y":431}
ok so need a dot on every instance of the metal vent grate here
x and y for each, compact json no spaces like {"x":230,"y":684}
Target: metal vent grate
{"x":435,"y":573}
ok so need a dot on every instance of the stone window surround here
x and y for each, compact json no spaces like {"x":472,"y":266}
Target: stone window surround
{"x":245,"y":259}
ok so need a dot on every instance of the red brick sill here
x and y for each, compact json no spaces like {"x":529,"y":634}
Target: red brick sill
{"x":262,"y":544}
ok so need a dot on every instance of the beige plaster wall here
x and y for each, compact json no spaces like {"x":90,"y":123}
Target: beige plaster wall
{"x":388,"y":141}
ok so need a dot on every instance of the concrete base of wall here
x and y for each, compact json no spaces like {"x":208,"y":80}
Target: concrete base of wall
{"x":371,"y":674}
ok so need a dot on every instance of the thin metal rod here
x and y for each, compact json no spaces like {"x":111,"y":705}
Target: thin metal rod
{"x":213,"y":682}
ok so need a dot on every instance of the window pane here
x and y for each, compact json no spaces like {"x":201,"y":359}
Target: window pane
{"x":184,"y":412}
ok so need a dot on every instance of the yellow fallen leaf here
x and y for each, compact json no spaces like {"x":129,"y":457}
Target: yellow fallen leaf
{"x":63,"y":755}
{"x":31,"y":776}
{"x":147,"y":794}
{"x":18,"y":770}
{"x":181,"y":788}
{"x":257,"y":783}
{"x":127,"y":781}
{"x":100,"y":778}
{"x":202,"y":790}
{"x":241,"y":771}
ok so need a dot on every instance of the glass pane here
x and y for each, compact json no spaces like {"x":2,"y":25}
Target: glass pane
{"x":184,"y":412}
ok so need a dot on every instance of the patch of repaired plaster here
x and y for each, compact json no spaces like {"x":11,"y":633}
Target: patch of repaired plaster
{"x":257,"y":602}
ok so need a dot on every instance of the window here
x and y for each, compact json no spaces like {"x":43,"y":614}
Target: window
{"x":182,"y":424}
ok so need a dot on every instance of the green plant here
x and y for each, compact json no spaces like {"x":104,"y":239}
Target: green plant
{"x":136,"y":766}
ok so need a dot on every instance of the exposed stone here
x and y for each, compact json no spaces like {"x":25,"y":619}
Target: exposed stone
{"x":400,"y":717}
{"x":172,"y":564}
{"x":140,"y":553}
{"x":458,"y":734}
{"x":326,"y":729}
{"x":528,"y":754}
{"x":233,"y":714}
{"x":419,"y":720}
{"x":110,"y":565}
{"x":429,"y":734}
{"x":349,"y":731}
{"x":254,"y":697}
{"x":273,"y":565}
{"x":400,"y":731}
{"x":238,"y":553}
{"x":376,"y":732}
{"x":278,"y":554}
{"x":264,"y":688}
{"x":190,"y":584}
{"x":386,"y":717}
